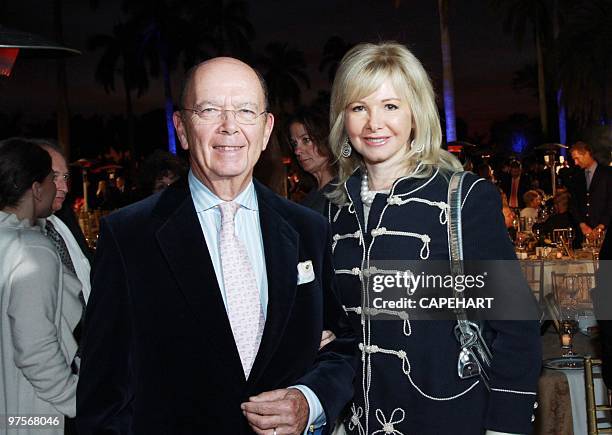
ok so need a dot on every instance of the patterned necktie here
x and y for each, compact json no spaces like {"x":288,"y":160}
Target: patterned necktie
{"x":60,"y":246}
{"x":587,"y":174}
{"x":62,"y":250}
{"x":242,"y":294}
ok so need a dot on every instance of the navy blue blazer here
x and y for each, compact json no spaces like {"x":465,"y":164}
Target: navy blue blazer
{"x":158,"y":352}
{"x":593,"y":206}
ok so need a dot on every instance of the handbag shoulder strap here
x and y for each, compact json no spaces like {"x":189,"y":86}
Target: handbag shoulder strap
{"x":455,"y":241}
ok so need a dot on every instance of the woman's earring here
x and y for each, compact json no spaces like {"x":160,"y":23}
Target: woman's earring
{"x":419,"y":149}
{"x":346,"y":149}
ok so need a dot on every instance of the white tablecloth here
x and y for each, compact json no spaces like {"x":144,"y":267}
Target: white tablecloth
{"x":575,"y":380}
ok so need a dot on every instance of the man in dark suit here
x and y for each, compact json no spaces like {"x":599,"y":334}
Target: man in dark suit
{"x":591,"y":190}
{"x":515,"y":185}
{"x":210,"y":299}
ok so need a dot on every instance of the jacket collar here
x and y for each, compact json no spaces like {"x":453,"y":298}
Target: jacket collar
{"x":181,"y":240}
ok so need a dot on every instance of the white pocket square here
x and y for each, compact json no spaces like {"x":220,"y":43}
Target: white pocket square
{"x":305,"y":272}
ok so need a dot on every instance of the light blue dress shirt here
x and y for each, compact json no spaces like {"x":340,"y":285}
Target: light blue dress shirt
{"x":589,"y":172}
{"x":248,"y":230}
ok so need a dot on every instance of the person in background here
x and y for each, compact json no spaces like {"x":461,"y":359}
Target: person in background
{"x":484,"y":171}
{"x":36,"y":351}
{"x":308,"y":135}
{"x":158,"y":172}
{"x":591,"y":190}
{"x":390,"y":212}
{"x":75,"y":284}
{"x":509,"y":216}
{"x":560,"y":219}
{"x":77,"y":260}
{"x":532,"y":201}
{"x":514,"y":185}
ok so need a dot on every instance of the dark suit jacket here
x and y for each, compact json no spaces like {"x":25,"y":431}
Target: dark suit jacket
{"x":595,"y":206}
{"x":506,"y":186}
{"x":158,"y":352}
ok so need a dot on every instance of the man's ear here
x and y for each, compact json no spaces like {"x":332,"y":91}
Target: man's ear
{"x":268,"y":130}
{"x":180,"y":129}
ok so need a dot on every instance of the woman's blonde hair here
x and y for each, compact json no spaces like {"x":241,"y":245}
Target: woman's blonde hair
{"x":361,"y":72}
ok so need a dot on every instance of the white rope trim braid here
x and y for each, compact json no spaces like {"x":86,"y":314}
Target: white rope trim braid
{"x":354,"y":420}
{"x":356,"y":310}
{"x":406,"y":368}
{"x":469,"y":190}
{"x":382,"y":231}
{"x":396,"y":200}
{"x":337,"y":237}
{"x":388,"y":427}
{"x":501,"y":390}
{"x":354,"y":271}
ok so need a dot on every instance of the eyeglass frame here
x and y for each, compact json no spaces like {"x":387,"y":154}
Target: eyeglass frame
{"x":223,"y":111}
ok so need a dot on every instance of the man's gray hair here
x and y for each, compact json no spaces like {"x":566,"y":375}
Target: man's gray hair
{"x":50,"y":143}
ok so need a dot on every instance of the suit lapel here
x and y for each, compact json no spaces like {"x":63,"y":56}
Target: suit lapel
{"x":594,"y":179}
{"x":184,"y":247}
{"x":281,"y":251}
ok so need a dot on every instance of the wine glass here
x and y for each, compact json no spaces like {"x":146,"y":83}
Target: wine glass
{"x":569,"y":315}
{"x":567,"y":329}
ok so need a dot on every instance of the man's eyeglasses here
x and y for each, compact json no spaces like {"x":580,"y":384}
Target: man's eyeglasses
{"x":57,"y":176}
{"x":210,"y":115}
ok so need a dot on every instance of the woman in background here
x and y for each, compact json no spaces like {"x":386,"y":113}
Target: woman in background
{"x":36,"y":375}
{"x":533,"y":201}
{"x":308,"y":135}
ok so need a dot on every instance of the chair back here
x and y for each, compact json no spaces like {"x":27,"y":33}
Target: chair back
{"x":573,"y":285}
{"x":592,"y":407}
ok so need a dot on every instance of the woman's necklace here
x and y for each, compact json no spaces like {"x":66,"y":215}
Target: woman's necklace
{"x":367,"y":197}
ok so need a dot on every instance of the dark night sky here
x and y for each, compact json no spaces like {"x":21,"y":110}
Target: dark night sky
{"x":484,"y":58}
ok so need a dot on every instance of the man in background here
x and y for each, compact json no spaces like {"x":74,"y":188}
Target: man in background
{"x":515,"y":185}
{"x":63,"y":220}
{"x":591,"y":190}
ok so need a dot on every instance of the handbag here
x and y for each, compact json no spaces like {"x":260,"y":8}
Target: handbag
{"x":474,"y":357}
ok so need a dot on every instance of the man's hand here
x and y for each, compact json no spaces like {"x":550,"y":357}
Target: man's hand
{"x":284,"y":412}
{"x":326,"y":338}
{"x":586,"y":230}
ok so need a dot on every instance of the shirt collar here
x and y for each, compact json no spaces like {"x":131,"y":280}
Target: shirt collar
{"x":204,"y":199}
{"x":592,"y":167}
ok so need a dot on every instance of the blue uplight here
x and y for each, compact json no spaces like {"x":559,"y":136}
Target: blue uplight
{"x":519,"y":143}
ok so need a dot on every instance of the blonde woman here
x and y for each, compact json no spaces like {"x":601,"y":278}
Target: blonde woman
{"x":390,"y":212}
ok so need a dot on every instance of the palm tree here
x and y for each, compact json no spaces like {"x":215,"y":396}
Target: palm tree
{"x":166,"y":33}
{"x":284,"y":70}
{"x":533,"y":14}
{"x":226,"y":28}
{"x":63,"y":113}
{"x":333,"y":51}
{"x":447,"y":72}
{"x":584,"y":55}
{"x":122,"y":57}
